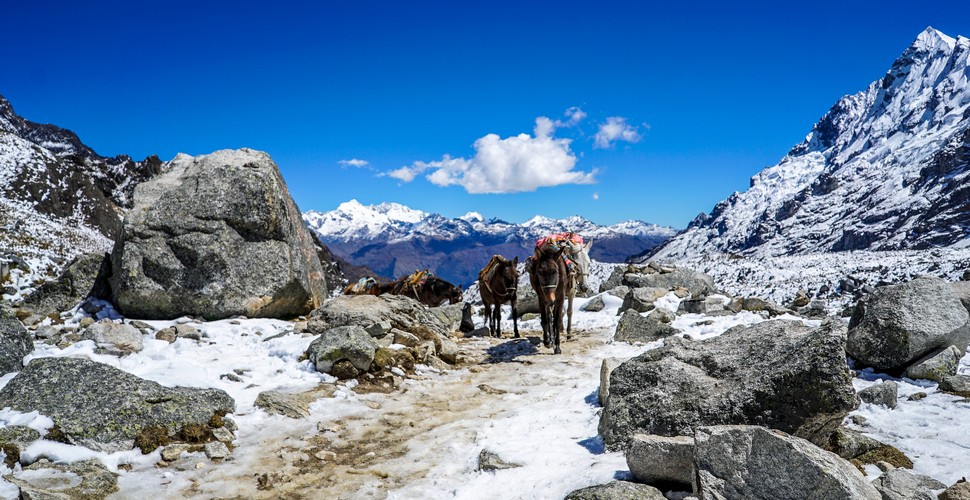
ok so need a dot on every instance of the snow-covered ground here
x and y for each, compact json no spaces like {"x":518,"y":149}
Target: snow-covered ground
{"x":423,"y":439}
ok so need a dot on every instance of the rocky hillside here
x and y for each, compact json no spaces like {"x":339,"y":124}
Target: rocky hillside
{"x":49,"y":168}
{"x":393,"y":239}
{"x":884,"y":169}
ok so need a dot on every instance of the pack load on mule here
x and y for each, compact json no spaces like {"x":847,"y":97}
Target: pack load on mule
{"x":560,"y":264}
{"x":498,"y":283}
{"x":364,"y":286}
{"x":427,"y":288}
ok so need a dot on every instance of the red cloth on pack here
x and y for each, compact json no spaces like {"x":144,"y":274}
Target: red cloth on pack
{"x":557,"y":237}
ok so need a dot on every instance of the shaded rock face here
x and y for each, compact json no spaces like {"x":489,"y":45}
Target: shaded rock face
{"x":216,"y":236}
{"x":778,"y":374}
{"x":757,"y":463}
{"x":85,"y":277}
{"x":15,"y":342}
{"x":896,"y":325}
{"x":401,"y":312}
{"x":103,"y":408}
{"x":350,"y":343}
{"x":633,"y":327}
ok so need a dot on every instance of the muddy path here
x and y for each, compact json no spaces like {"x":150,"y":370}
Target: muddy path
{"x":422,"y":439}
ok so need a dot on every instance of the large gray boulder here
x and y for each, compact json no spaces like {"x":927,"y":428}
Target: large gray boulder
{"x":750,"y":462}
{"x":697,"y":283}
{"x":351,"y":343}
{"x":86,"y":276}
{"x":901,"y":484}
{"x":778,"y":374}
{"x":103,"y":408}
{"x":641,"y":299}
{"x":121,"y":337}
{"x":403,"y":313}
{"x":962,"y":289}
{"x":936,"y":365}
{"x":44,"y":480}
{"x":633,"y":327}
{"x":216,"y":236}
{"x":15,"y":342}
{"x":898,"y":324}
{"x":661,"y":459}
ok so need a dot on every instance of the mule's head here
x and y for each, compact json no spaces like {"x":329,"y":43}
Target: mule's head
{"x":579,"y":254}
{"x":547,"y":275}
{"x":455,"y":295}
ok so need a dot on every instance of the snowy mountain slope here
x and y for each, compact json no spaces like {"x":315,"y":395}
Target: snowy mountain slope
{"x":49,"y":168}
{"x":393,"y":239}
{"x":884,"y":169}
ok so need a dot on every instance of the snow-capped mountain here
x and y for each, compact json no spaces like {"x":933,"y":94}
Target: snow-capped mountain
{"x":393,"y":239}
{"x":884,"y":169}
{"x":51,"y":170}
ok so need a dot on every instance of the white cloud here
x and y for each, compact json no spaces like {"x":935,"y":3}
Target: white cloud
{"x":615,"y":129}
{"x":574,"y":115}
{"x":596,"y":196}
{"x":354,"y":162}
{"x":514,"y":164}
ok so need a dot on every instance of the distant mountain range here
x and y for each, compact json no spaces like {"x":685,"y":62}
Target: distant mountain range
{"x":884,"y":169}
{"x":394,"y":240}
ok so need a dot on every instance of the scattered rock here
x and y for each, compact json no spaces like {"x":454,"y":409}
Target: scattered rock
{"x":698,"y":284}
{"x":490,"y":461}
{"x":216,"y":236}
{"x":886,"y":453}
{"x":662,"y":315}
{"x":222,"y":434}
{"x":617,"y":490}
{"x":124,"y":337}
{"x":103,"y":408}
{"x":350,"y":343}
{"x":403,"y":313}
{"x":43,"y":480}
{"x":801,"y":300}
{"x":169,"y":334}
{"x":916,"y":396}
{"x":956,"y":384}
{"x":959,"y":491}
{"x":708,"y":305}
{"x":172,"y":452}
{"x":344,"y":370}
{"x":661,"y":459}
{"x":15,"y":342}
{"x":884,"y":393}
{"x":935,"y":366}
{"x":898,"y":324}
{"x":86,"y":276}
{"x":633,"y":327}
{"x":619,"y":292}
{"x":962,"y":290}
{"x":216,"y":450}
{"x":740,"y":461}
{"x":641,"y":299}
{"x":734,"y":378}
{"x":609,"y":364}
{"x":594,"y":304}
{"x":293,"y":405}
{"x":900,"y":484}
{"x":448,"y":351}
{"x":849,"y":444}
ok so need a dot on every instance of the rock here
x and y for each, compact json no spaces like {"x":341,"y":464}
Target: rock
{"x":167,"y":334}
{"x":777,"y":373}
{"x":936,"y":365}
{"x":103,"y":408}
{"x":606,"y":368}
{"x":888,"y":454}
{"x":216,"y":450}
{"x":385,"y":359}
{"x":293,"y":405}
{"x":662,"y":315}
{"x":185,"y":331}
{"x":956,"y":384}
{"x":424,"y":352}
{"x":19,"y":435}
{"x":172,"y":452}
{"x":962,"y":291}
{"x":401,"y":312}
{"x":216,"y":236}
{"x":754,"y":304}
{"x":405,"y":338}
{"x":615,"y":279}
{"x":849,"y":444}
{"x":696,"y":283}
{"x":900,"y":484}
{"x":86,"y":276}
{"x":916,"y":396}
{"x":15,"y":342}
{"x":526,"y":300}
{"x":351,"y":343}
{"x":959,"y":491}
{"x":635,"y":328}
{"x":448,"y":315}
{"x":85,"y":322}
{"x":736,"y":305}
{"x":801,"y":300}
{"x":884,"y":393}
{"x":641,"y":299}
{"x":661,"y":459}
{"x":344,"y":370}
{"x":124,"y":337}
{"x":816,"y":309}
{"x":594,"y":304}
{"x":490,"y":461}
{"x":619,"y":291}
{"x":617,"y":490}
{"x":707,"y":305}
{"x":141,"y":325}
{"x":43,"y":480}
{"x":740,"y":461}
{"x":222,"y":434}
{"x":448,"y":351}
{"x":898,"y":324}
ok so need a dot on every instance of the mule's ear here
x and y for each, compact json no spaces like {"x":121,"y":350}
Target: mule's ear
{"x":588,"y":244}
{"x":515,"y":261}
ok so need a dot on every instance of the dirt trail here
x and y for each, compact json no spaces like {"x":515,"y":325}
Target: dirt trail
{"x":396,"y":439}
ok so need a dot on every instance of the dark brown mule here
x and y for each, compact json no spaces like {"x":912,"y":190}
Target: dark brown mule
{"x":427,"y":289}
{"x":367,"y":286}
{"x":498,"y":283}
{"x":549,"y":278}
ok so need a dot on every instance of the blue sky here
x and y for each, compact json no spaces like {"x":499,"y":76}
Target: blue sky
{"x":702,"y":95}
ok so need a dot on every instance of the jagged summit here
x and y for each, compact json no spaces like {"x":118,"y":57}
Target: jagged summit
{"x":885,"y":168}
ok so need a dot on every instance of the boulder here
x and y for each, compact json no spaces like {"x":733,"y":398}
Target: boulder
{"x":617,"y":490}
{"x":900,"y":484}
{"x":606,"y":368}
{"x":898,"y":324}
{"x":121,"y":336}
{"x":641,"y":299}
{"x":615,"y":279}
{"x":403,"y":313}
{"x":350,"y":343}
{"x":962,"y":291}
{"x":290,"y":404}
{"x":697,"y":283}
{"x":754,"y":304}
{"x":488,"y":460}
{"x":778,"y":374}
{"x":216,"y":236}
{"x":594,"y":304}
{"x":103,"y":408}
{"x":633,"y":327}
{"x":956,"y":384}
{"x":526,"y":300}
{"x":959,"y":491}
{"x":15,"y":342}
{"x":449,"y":315}
{"x":662,"y":315}
{"x":43,"y":480}
{"x":708,"y":305}
{"x":619,"y":292}
{"x":751,"y":462}
{"x":936,"y":365}
{"x":86,"y":276}
{"x":661,"y":459}
{"x":848,"y":443}
{"x":884,"y":393}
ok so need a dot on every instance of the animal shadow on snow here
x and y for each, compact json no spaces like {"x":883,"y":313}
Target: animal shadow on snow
{"x":507,"y":352}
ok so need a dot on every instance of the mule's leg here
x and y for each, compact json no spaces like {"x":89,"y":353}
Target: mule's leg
{"x":546,"y":319}
{"x":488,"y":317}
{"x":558,"y":327}
{"x":498,"y":319}
{"x":515,"y":319}
{"x":569,"y":316}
